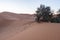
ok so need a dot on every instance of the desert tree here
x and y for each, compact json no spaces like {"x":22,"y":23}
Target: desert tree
{"x":44,"y":13}
{"x":39,"y":12}
{"x":48,"y":14}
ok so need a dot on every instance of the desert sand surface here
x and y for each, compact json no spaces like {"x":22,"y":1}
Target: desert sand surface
{"x":22,"y":27}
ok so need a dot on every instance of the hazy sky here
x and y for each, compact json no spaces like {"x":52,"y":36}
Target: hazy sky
{"x":26,"y":6}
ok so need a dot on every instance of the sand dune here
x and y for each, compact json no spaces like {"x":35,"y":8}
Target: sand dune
{"x":11,"y":23}
{"x":45,"y":31}
{"x":22,"y":27}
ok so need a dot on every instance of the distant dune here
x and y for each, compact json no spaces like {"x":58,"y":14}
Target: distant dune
{"x":22,"y":27}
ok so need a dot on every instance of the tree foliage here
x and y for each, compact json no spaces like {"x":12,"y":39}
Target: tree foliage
{"x":43,"y":13}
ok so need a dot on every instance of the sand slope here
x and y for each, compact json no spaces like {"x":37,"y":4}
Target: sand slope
{"x":45,"y":31}
{"x":23,"y":27}
{"x":11,"y":23}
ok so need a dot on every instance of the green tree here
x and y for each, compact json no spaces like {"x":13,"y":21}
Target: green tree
{"x":44,"y":12}
{"x":48,"y":15}
{"x":39,"y":12}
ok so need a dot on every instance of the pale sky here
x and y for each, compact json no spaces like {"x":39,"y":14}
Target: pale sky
{"x":27,"y":6}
